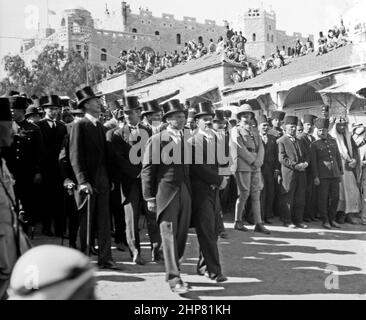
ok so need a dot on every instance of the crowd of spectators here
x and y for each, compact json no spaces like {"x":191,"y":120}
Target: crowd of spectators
{"x":336,"y":38}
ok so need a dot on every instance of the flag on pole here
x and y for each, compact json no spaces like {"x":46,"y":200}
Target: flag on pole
{"x":51,"y":12}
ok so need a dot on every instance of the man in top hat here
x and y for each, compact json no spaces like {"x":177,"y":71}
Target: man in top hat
{"x":206,"y":183}
{"x":307,"y":139}
{"x":277,"y":119}
{"x":294,"y":161}
{"x":33,"y":114}
{"x":53,"y":132}
{"x":69,"y":180}
{"x":90,"y":161}
{"x":327,"y":168}
{"x":151,"y":116}
{"x":166,"y":188}
{"x":132,"y":136}
{"x":270,"y":170}
{"x":247,"y":153}
{"x":24,"y":159}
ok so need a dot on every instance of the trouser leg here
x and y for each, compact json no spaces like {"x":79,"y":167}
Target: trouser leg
{"x":256,"y":207}
{"x":323,"y":196}
{"x":152,"y":228}
{"x":132,"y":214}
{"x":184,"y":220}
{"x":334,"y":198}
{"x":83,"y":223}
{"x":299,"y":199}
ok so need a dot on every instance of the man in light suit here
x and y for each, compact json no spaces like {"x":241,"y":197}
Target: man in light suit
{"x":294,"y":161}
{"x":166,"y":188}
{"x":206,"y":183}
{"x":90,"y":161}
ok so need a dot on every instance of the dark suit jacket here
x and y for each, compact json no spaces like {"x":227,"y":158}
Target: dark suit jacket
{"x":270,"y":162}
{"x":203,"y":175}
{"x":289,"y":158}
{"x":161,"y":181}
{"x":125,"y":172}
{"x":52,"y":139}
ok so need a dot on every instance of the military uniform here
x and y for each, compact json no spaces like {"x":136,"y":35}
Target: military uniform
{"x":327,"y":166}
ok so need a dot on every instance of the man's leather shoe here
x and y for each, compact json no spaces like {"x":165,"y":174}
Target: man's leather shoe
{"x":351,"y":220}
{"x":157,"y":255}
{"x":137,"y":259}
{"x":341,"y":217}
{"x":180,"y":288}
{"x":109,"y":265}
{"x":221,"y":278}
{"x":259,"y":227}
{"x":289,"y":225}
{"x":314,"y":219}
{"x":327,"y":226}
{"x":335,"y":225}
{"x":307,"y":219}
{"x":302,"y":226}
{"x":267,"y":221}
{"x":223,"y":235}
{"x":240,"y":226}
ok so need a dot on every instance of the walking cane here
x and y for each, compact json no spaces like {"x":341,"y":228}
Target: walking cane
{"x":88,"y":226}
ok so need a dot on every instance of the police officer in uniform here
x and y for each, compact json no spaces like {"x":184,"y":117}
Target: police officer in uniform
{"x":327,"y":168}
{"x":24,"y":159}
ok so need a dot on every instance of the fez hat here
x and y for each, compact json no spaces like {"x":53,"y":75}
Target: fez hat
{"x":204,"y":109}
{"x":299,"y":123}
{"x":309,"y":118}
{"x":322,"y":123}
{"x":219,"y":116}
{"x":85,"y":94}
{"x":150,"y":107}
{"x":227,"y":114}
{"x":50,"y":101}
{"x":279,"y":115}
{"x":291,"y":120}
{"x":244,"y":108}
{"x":5,"y":113}
{"x":32,"y":110}
{"x":325,"y":108}
{"x":131,"y":103}
{"x":18,"y":102}
{"x":172,"y":106}
{"x":262,"y":119}
{"x":191,"y":114}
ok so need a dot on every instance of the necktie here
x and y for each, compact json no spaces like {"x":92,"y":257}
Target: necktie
{"x":265,"y":139}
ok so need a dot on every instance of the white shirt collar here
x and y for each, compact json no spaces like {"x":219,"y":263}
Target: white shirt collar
{"x":173,"y":131}
{"x":93,"y":119}
{"x":207,"y":133}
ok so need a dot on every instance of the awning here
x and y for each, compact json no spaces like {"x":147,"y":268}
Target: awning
{"x":160,"y":96}
{"x":350,"y":88}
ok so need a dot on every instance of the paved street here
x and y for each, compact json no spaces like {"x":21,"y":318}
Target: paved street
{"x":288,"y":264}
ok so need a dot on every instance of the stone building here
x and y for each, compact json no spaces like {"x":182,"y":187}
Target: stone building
{"x":259,"y":28}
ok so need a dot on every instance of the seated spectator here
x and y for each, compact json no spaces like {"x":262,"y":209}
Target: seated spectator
{"x":298,"y":46}
{"x":211,"y":47}
{"x":236,"y":76}
{"x":322,"y":44}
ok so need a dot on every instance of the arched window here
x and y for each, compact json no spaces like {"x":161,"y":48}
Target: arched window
{"x":157,"y":33}
{"x":272,"y":38}
{"x":63,"y":22}
{"x":103,"y":55}
{"x":134,"y":30}
{"x":254,"y":37}
{"x":179,"y":40}
{"x":200,"y":39}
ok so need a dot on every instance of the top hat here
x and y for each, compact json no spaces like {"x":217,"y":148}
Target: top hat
{"x":50,"y":101}
{"x":191,"y":114}
{"x":309,"y":118}
{"x":85,"y":94}
{"x":18,"y":102}
{"x":150,"y":107}
{"x":5,"y":113}
{"x":204,"y":109}
{"x":32,"y":110}
{"x":291,"y":120}
{"x":171,"y":107}
{"x":279,"y":115}
{"x":244,"y":108}
{"x":219,"y":116}
{"x":262,"y":119}
{"x":322,"y":123}
{"x":131,"y":103}
{"x":11,"y":93}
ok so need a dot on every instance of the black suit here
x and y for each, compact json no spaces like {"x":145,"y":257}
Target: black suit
{"x":310,"y":203}
{"x":90,"y":161}
{"x":205,"y":181}
{"x":53,"y":139}
{"x":169,"y":184}
{"x":24,"y":160}
{"x":270,"y":165}
{"x":293,"y":181}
